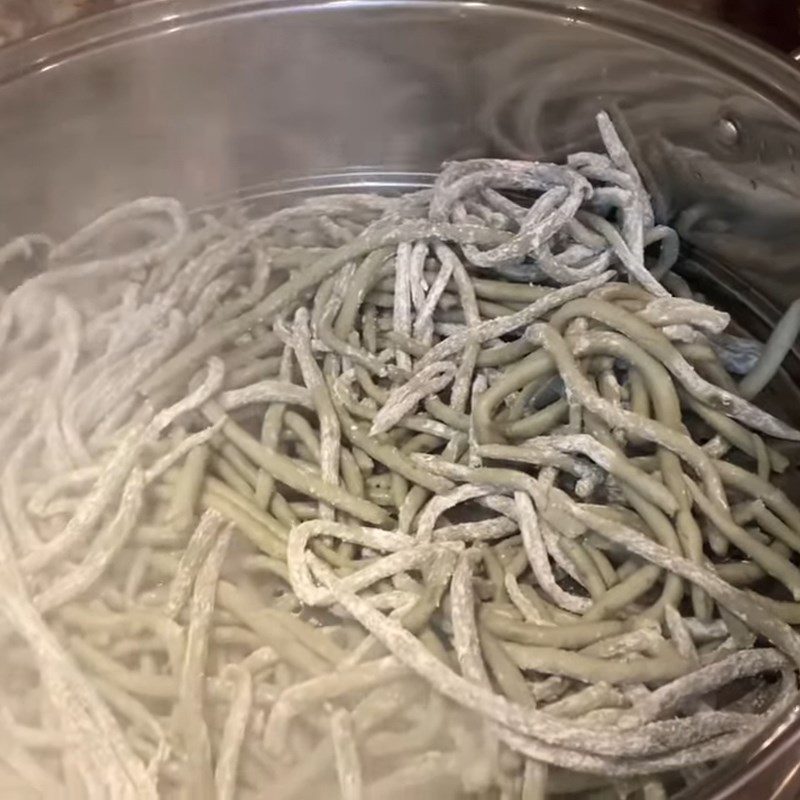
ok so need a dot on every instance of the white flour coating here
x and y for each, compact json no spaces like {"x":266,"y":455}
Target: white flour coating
{"x":449,"y":489}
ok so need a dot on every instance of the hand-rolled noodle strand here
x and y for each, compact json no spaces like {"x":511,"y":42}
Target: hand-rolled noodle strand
{"x":190,"y":721}
{"x":348,"y":764}
{"x":234,"y":732}
{"x":780,"y":342}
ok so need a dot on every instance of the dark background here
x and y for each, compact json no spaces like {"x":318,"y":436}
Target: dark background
{"x":774,"y":21}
